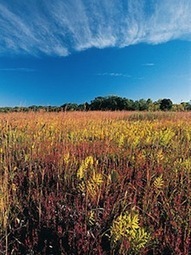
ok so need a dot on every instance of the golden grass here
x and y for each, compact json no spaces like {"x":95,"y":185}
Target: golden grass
{"x":108,"y":163}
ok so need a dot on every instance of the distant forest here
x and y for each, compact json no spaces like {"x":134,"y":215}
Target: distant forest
{"x":108,"y":103}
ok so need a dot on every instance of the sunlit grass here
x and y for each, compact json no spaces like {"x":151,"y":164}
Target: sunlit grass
{"x":67,"y":180}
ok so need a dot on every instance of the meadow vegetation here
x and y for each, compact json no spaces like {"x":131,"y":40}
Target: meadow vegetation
{"x":95,"y":183}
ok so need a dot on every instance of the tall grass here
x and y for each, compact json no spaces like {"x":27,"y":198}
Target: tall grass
{"x":95,"y":183}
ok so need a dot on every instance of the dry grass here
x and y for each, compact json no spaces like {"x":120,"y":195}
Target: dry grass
{"x":67,"y":178}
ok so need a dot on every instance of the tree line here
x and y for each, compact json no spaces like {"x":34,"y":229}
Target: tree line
{"x":108,"y":103}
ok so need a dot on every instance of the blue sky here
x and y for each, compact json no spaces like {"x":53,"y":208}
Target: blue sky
{"x":52,"y":52}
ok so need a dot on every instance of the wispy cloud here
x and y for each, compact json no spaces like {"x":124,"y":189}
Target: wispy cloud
{"x":114,"y":75}
{"x":148,"y":64}
{"x":17,"y":70}
{"x":60,"y":27}
{"x":139,"y":78}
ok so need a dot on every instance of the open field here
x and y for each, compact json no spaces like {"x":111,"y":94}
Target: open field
{"x":95,"y":183}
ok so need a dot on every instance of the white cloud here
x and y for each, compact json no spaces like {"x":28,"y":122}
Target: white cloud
{"x":115,"y":75}
{"x":59,"y":27}
{"x":148,"y":64}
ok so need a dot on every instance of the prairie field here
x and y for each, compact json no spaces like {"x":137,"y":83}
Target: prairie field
{"x":95,"y":183}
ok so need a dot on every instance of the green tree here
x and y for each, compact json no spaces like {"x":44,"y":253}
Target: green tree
{"x":166,"y":104}
{"x":69,"y":107}
{"x":186,"y":106}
